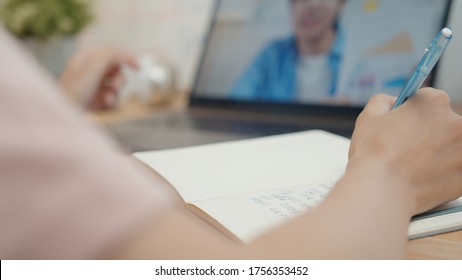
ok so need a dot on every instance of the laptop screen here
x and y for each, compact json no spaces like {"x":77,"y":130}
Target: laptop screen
{"x":315,"y":52}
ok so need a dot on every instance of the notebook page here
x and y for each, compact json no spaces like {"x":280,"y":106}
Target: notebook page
{"x":248,"y":216}
{"x":250,"y":166}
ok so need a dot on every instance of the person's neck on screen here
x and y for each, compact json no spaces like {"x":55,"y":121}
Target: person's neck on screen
{"x":319,"y":45}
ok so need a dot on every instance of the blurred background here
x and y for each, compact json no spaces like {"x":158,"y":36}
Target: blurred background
{"x":165,"y":32}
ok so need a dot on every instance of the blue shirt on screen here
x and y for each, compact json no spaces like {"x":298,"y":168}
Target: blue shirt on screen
{"x":272,"y":75}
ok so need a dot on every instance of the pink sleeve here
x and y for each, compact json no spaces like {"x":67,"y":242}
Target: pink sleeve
{"x":66,"y":192}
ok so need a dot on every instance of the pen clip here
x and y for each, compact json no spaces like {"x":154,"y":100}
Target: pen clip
{"x":433,"y":53}
{"x":425,"y":61}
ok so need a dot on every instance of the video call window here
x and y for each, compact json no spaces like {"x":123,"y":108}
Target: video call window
{"x":335,"y":52}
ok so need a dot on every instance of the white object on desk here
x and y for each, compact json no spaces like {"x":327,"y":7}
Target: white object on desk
{"x":153,"y":82}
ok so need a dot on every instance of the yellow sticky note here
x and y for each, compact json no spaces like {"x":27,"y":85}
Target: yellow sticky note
{"x":371,"y":5}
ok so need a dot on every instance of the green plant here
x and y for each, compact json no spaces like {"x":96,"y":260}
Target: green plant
{"x":45,"y":19}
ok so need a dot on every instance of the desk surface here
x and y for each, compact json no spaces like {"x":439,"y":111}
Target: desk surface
{"x":443,"y":246}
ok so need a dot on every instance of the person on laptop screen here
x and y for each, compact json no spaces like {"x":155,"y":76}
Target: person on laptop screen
{"x":312,"y":52}
{"x":305,"y":66}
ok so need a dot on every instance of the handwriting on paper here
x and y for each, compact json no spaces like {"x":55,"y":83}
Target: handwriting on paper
{"x":288,"y":202}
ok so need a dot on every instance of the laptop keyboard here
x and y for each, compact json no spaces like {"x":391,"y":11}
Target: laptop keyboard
{"x":244,"y":127}
{"x":183,"y":129}
{"x":251,"y":128}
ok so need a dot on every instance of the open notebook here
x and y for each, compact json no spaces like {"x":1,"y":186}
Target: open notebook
{"x":246,"y":188}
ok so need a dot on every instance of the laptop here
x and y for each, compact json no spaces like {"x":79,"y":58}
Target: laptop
{"x":279,"y":66}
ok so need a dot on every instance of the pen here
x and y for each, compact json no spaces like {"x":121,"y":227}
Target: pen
{"x":429,"y":60}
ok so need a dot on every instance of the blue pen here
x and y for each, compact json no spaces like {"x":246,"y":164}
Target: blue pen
{"x":429,"y":60}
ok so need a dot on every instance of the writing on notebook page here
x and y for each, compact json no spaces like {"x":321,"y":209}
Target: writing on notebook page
{"x":248,"y":216}
{"x":286,"y":203}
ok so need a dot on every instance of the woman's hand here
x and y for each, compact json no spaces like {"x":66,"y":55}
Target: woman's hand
{"x":93,"y":77}
{"x":419,"y":143}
